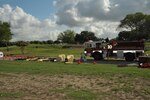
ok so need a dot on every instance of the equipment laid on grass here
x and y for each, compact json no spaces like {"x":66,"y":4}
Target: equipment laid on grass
{"x":1,"y":55}
{"x":70,"y":59}
{"x":43,"y":59}
{"x":130,"y":50}
{"x":83,"y":58}
{"x":32,"y":59}
{"x":61,"y":58}
{"x":144,"y":61}
{"x":17,"y":57}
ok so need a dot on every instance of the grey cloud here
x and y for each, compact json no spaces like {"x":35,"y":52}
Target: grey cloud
{"x":66,"y":13}
{"x":66,"y":19}
{"x":103,"y":29}
{"x":110,"y":10}
{"x":126,"y":7}
{"x":117,"y":8}
{"x":95,"y":9}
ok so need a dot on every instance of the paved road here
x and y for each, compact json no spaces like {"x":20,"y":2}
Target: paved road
{"x":118,"y":62}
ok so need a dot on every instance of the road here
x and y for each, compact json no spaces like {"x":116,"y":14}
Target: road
{"x":117,"y":62}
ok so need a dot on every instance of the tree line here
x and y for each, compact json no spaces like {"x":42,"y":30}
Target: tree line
{"x":137,"y":27}
{"x":70,"y":36}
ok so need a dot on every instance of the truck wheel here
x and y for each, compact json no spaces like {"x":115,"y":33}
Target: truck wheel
{"x":97,"y":56}
{"x":129,"y":56}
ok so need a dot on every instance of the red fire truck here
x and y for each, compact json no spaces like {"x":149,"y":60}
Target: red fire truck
{"x":129,"y":50}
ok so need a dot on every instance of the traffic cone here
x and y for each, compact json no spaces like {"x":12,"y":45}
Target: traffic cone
{"x":94,"y":62}
{"x":79,"y":62}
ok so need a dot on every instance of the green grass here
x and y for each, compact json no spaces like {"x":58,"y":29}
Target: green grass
{"x":9,"y":95}
{"x":51,"y":50}
{"x":43,"y":50}
{"x":71,"y":69}
{"x":82,"y":95}
{"x":74,"y":94}
{"x":61,"y":68}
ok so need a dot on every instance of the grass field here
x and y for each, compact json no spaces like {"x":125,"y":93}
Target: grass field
{"x":49,"y":68}
{"x":45,"y":80}
{"x":22,"y":80}
{"x":51,"y":50}
{"x":43,"y":50}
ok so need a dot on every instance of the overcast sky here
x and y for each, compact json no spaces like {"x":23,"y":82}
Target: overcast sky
{"x":45,"y":19}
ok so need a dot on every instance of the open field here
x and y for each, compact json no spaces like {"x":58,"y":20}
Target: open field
{"x":21,"y":80}
{"x":43,"y":50}
{"x":51,"y":50}
{"x":50,"y":68}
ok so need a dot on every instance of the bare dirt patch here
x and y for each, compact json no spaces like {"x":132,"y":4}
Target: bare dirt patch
{"x":44,"y":87}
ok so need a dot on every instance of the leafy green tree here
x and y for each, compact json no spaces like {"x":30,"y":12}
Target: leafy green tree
{"x":5,"y":33}
{"x":50,"y":42}
{"x":107,"y":40}
{"x":67,"y":36}
{"x":132,"y":21}
{"x":22,"y":45}
{"x":85,"y":36}
{"x":136,"y":25}
{"x":146,"y":27}
{"x":124,"y":35}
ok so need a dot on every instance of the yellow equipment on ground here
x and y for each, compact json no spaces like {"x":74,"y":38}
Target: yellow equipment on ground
{"x":70,"y":59}
{"x":61,"y":58}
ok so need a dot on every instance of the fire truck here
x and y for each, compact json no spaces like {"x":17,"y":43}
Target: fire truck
{"x":128,"y":50}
